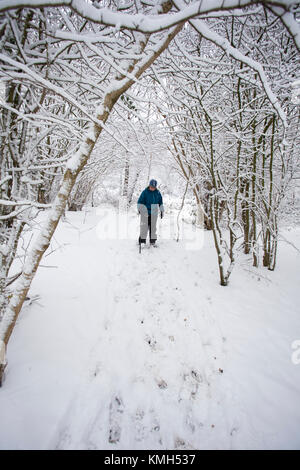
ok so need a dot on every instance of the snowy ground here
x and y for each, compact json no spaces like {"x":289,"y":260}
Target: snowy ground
{"x":135,"y":351}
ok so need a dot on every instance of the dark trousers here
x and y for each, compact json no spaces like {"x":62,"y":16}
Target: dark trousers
{"x":148,"y":222}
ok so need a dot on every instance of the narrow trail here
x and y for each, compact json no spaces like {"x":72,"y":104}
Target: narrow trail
{"x":153,"y":375}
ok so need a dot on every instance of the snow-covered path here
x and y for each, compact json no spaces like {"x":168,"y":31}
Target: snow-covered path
{"x":127,"y":350}
{"x":152,"y":376}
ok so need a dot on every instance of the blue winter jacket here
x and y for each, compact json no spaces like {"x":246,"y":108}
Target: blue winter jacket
{"x":152,"y":200}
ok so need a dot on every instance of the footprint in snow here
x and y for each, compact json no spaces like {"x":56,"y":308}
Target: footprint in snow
{"x":116,"y":409}
{"x":162,"y":384}
{"x":190,"y":386}
{"x":152,"y":343}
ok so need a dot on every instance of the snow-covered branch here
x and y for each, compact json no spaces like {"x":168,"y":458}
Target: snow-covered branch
{"x":224,"y":44}
{"x":140,"y":22}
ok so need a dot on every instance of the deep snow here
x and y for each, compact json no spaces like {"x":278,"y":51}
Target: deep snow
{"x":136,"y":351}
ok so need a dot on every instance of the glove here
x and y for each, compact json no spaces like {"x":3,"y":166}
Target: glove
{"x":161,"y":215}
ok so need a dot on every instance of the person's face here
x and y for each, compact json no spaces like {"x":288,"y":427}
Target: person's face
{"x":151,"y":188}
